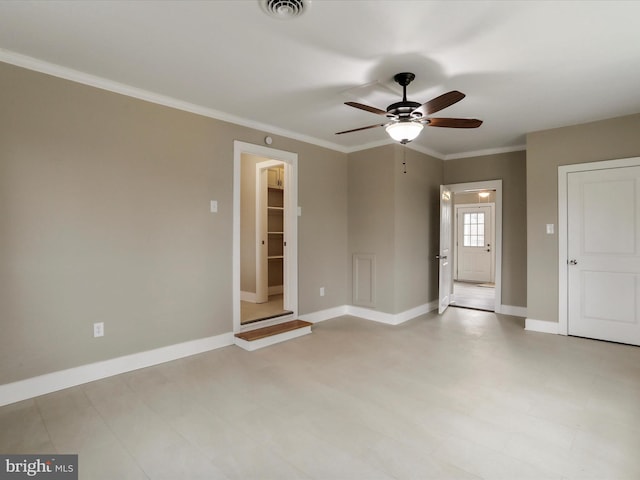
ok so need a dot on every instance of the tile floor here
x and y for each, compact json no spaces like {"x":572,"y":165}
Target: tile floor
{"x":466,"y":395}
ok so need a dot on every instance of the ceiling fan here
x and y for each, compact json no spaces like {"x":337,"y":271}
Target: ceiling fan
{"x":407,"y":119}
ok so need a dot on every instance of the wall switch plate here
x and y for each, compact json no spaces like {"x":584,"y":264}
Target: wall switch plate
{"x":299,"y":211}
{"x":98,"y":329}
{"x":214,"y":206}
{"x":322,"y":291}
{"x":549,"y":228}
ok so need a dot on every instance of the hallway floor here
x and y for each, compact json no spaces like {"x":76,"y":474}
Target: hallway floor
{"x":474,"y":295}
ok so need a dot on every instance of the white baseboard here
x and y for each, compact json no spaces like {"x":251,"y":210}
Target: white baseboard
{"x":323,"y":315}
{"x":513,"y":310}
{"x":369,"y":314}
{"x":543,"y":326}
{"x":391,"y":318}
{"x":52,"y":382}
{"x":248,"y":297}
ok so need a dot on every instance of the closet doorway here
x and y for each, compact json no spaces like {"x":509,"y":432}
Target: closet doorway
{"x":265,"y":224}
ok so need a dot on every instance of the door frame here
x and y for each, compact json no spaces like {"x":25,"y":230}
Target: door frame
{"x":481,"y":186}
{"x":563,"y":228}
{"x":456,"y":232}
{"x":290,"y":159}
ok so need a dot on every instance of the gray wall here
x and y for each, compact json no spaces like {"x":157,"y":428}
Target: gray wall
{"x":104,"y":216}
{"x":511,"y":169}
{"x":546,"y":150}
{"x":395,"y":216}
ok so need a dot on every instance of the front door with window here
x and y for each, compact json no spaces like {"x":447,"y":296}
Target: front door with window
{"x":474,"y":262}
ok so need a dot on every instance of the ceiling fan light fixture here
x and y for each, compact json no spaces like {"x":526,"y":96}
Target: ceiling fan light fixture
{"x":404,"y":132}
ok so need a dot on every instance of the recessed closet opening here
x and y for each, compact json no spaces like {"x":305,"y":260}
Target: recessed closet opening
{"x":265,"y":260}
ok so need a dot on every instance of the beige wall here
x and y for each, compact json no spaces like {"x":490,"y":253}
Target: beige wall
{"x":511,"y":169}
{"x":395,"y":216}
{"x":104,"y":216}
{"x":417,"y":228}
{"x":371,"y":217}
{"x":546,"y":150}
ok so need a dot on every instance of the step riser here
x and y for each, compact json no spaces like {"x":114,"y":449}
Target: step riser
{"x":271,"y":340}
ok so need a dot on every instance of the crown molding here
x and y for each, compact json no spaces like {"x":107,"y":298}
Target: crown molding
{"x":488,"y":151}
{"x":77,"y":76}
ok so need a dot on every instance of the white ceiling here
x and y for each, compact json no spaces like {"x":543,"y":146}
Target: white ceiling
{"x":524,"y":66}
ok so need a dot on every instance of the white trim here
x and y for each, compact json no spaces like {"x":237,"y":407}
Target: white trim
{"x":322,"y":315}
{"x":563,"y":234}
{"x":390,"y":318}
{"x":248,"y":297}
{"x":52,"y":382}
{"x":426,"y":151}
{"x":271,"y":340}
{"x":291,"y":219}
{"x":512,"y":310}
{"x":542,"y":326}
{"x":148,"y":96}
{"x":247,"y":327}
{"x":482,"y":153}
{"x":497,"y":186}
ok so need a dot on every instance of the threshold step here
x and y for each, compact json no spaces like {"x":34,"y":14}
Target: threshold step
{"x":263,"y":337}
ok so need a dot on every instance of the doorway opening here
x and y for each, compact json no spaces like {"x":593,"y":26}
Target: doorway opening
{"x":470,"y":253}
{"x":267,"y":275}
{"x":474,"y":250}
{"x":265,"y":236}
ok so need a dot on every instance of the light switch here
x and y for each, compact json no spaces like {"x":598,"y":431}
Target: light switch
{"x":549,"y":228}
{"x":214,"y":206}
{"x":299,"y":211}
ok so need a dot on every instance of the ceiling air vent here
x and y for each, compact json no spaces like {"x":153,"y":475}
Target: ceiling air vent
{"x":284,"y":9}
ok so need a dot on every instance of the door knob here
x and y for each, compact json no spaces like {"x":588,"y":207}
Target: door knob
{"x":573,"y":262}
{"x":438,"y":257}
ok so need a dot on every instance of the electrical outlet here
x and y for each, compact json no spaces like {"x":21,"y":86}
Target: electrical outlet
{"x":98,"y":329}
{"x":322,"y":291}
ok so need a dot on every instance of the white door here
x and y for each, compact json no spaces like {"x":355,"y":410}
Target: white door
{"x":474,"y":244}
{"x":444,"y":257}
{"x":603,"y":246}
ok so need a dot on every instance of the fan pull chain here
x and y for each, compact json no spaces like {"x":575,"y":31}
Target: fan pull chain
{"x":404,"y":158}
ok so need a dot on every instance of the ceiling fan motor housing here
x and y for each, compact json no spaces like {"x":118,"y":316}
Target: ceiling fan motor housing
{"x":403,"y":109}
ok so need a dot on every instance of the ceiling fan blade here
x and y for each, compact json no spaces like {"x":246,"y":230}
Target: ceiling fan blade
{"x":361,"y":128}
{"x":435,"y":105}
{"x":454,"y":122}
{"x":366,"y":107}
